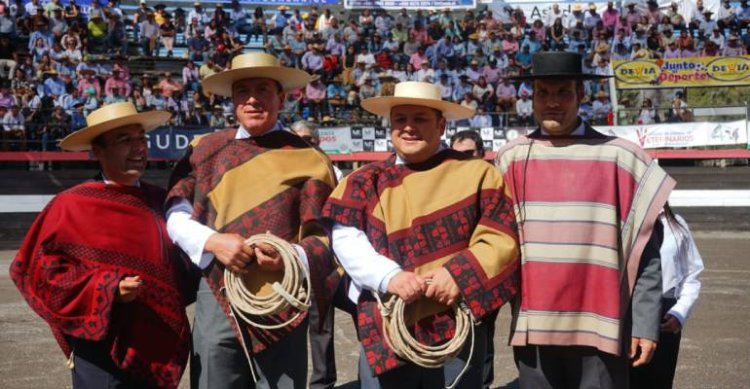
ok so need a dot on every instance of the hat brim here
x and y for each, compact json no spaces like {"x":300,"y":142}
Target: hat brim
{"x":81,"y":139}
{"x":382,"y":106}
{"x":573,"y":76}
{"x":289,"y":78}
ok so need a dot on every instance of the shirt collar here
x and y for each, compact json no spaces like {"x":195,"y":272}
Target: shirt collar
{"x":579,"y":131}
{"x":400,"y":161}
{"x":108,"y":182}
{"x":242,"y":133}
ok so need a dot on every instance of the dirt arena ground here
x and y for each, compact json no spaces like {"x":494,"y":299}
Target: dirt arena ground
{"x":715,"y":345}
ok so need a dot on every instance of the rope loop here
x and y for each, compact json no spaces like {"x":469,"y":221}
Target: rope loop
{"x":401,"y":341}
{"x":292,"y":291}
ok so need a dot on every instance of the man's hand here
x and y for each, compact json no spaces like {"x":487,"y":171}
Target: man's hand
{"x":407,"y":285}
{"x":128,"y":289}
{"x":442,"y":287}
{"x":643,"y":349}
{"x":267,"y":257}
{"x":670,"y":324}
{"x":230,"y":249}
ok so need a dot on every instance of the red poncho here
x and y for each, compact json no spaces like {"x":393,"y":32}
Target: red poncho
{"x":70,"y":264}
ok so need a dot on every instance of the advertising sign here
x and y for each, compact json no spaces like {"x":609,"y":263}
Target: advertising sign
{"x":410,"y":4}
{"x":682,"y":72}
{"x":679,"y":135}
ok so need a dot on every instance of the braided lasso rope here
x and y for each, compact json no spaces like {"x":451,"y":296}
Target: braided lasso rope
{"x":293,"y":291}
{"x":400,"y":340}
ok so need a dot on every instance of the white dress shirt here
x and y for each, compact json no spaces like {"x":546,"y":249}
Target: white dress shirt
{"x":681,"y":264}
{"x":364,"y":265}
{"x":191,"y":236}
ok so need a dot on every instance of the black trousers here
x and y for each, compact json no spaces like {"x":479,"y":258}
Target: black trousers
{"x":322,"y":352}
{"x":489,"y":359}
{"x":94,"y":369}
{"x":321,"y":348}
{"x":569,"y":367}
{"x":660,"y":372}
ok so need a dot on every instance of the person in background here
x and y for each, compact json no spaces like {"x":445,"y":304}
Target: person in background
{"x":14,"y":128}
{"x":681,"y":265}
{"x":525,"y":110}
{"x":321,"y":341}
{"x":470,"y":143}
{"x":647,"y":114}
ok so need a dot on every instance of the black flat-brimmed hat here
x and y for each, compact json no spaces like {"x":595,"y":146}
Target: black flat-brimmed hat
{"x":555,"y":65}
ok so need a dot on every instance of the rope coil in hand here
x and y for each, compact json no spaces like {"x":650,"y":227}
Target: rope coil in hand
{"x":401,"y":341}
{"x":293,"y":291}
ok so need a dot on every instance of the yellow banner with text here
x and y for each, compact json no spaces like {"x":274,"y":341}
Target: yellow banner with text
{"x":682,"y":72}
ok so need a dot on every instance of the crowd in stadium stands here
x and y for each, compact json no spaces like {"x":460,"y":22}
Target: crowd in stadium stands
{"x":57,"y":64}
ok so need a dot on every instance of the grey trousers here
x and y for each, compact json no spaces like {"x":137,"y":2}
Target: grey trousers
{"x":412,"y":376}
{"x":569,"y":367}
{"x":321,"y":348}
{"x":218,"y":360}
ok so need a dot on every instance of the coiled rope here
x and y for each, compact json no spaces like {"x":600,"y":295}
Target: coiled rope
{"x":292,"y":291}
{"x":401,"y":341}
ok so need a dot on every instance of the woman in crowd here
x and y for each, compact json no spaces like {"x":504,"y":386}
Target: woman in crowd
{"x":40,"y":49}
{"x":647,"y":114}
{"x":138,"y":100}
{"x":484,"y":93}
{"x":557,"y":35}
{"x":44,"y":65}
{"x":259,"y":24}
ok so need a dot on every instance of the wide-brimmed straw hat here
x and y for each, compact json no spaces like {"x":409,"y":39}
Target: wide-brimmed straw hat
{"x":417,"y":93}
{"x":111,"y":117}
{"x":255,"y":65}
{"x":555,"y":65}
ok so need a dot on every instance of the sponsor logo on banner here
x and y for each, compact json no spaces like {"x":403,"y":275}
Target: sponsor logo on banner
{"x":678,"y":135}
{"x":729,"y":69}
{"x":171,"y":142}
{"x":410,"y":4}
{"x":682,"y":72}
{"x":336,"y":140}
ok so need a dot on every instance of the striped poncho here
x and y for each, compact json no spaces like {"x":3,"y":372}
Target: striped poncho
{"x":586,"y":207}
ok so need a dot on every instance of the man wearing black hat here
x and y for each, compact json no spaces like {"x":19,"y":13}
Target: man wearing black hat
{"x":586,"y":208}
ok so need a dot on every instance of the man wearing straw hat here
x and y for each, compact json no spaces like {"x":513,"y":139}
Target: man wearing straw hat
{"x":98,"y":265}
{"x":237,"y":183}
{"x":586,"y":207}
{"x":430,"y":225}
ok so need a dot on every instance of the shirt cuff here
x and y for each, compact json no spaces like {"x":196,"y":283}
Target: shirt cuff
{"x":190,"y":235}
{"x":203,"y":258}
{"x":678,"y":315}
{"x":383,"y":287}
